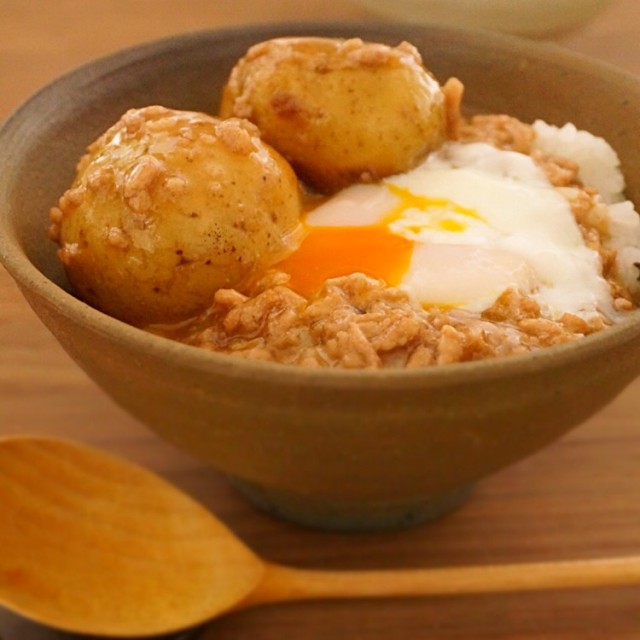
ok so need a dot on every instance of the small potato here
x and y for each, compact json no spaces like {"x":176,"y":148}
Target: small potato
{"x":169,"y":206}
{"x":341,"y":111}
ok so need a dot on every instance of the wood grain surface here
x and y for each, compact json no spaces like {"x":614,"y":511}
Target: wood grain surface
{"x":578,"y":498}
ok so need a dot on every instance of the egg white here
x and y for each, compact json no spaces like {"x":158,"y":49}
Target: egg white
{"x":483,"y":220}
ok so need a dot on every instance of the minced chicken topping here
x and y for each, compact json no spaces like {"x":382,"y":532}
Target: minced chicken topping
{"x":360,"y":322}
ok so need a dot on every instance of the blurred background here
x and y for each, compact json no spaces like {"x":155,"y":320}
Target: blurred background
{"x":41,"y":39}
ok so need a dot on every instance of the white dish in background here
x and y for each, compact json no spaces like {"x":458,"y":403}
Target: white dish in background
{"x":522,"y":17}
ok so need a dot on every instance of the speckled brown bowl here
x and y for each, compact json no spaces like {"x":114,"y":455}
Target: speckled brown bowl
{"x":334,"y":449}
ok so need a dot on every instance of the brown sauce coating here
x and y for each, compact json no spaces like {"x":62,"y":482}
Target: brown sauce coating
{"x":167,"y":207}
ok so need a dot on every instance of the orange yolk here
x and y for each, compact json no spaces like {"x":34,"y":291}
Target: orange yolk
{"x":333,"y":251}
{"x":330,"y":252}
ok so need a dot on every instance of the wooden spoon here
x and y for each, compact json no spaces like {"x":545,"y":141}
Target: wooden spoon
{"x":92,"y":544}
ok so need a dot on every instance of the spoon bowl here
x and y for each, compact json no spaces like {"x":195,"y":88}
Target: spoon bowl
{"x":93,"y":544}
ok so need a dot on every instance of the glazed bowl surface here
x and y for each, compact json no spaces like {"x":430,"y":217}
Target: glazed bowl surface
{"x":327,"y":448}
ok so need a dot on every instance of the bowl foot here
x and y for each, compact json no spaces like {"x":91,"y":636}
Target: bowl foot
{"x":356,"y":516}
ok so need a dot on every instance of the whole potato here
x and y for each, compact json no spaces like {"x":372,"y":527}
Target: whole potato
{"x":169,"y":206}
{"x":341,"y":111}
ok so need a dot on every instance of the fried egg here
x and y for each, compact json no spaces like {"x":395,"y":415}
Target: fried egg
{"x":469,"y":223}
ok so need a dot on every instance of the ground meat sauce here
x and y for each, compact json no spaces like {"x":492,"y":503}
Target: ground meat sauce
{"x":360,"y":322}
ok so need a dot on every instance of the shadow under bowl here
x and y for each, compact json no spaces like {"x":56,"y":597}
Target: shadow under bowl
{"x":334,"y":449}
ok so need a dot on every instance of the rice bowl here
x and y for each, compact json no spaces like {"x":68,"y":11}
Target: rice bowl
{"x":330,"y":448}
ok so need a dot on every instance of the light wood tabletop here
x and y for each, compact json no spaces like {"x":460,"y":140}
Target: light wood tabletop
{"x":578,"y":498}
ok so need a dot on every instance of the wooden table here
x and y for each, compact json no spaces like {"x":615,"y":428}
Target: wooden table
{"x":578,"y":498}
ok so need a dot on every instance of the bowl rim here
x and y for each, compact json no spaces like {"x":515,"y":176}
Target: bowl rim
{"x":28,"y":276}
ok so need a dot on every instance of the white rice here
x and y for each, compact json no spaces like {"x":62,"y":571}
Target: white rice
{"x":599,"y":163}
{"x":599,"y":168}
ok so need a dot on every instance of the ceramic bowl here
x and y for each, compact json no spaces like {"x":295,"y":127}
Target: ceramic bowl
{"x":332,"y":448}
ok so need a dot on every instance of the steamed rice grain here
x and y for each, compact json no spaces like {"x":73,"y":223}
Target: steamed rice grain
{"x":599,"y":164}
{"x":599,"y":169}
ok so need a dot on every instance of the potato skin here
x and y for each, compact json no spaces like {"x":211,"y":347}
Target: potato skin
{"x":169,"y":206}
{"x":341,"y":111}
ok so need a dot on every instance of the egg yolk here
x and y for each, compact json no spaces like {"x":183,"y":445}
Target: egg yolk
{"x":330,"y":252}
{"x":408,"y":200}
{"x":373,"y":249}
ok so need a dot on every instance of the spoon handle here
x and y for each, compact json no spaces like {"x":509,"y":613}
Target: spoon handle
{"x":282,"y":583}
